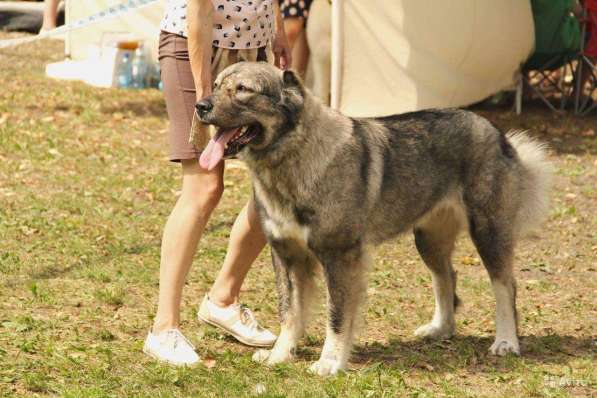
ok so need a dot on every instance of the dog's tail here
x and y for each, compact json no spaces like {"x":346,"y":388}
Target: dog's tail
{"x":536,"y":181}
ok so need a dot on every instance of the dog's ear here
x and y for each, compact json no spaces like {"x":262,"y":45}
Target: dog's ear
{"x":293,"y":93}
{"x":290,"y":79}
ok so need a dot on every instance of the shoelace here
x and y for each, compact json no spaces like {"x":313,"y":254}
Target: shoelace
{"x":248,"y":319}
{"x":175,"y":336}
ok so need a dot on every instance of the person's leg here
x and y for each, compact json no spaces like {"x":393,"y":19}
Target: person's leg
{"x":50,"y":14}
{"x":246,"y":242}
{"x":297,"y":40}
{"x":300,"y":54}
{"x":201,"y":192}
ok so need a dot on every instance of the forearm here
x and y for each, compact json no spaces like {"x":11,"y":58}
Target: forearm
{"x":200,"y":25}
{"x":282,"y":56}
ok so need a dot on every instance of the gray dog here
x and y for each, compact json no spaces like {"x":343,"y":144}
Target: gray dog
{"x":328,"y":186}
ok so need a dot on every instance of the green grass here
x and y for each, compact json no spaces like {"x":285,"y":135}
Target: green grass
{"x":85,"y":189}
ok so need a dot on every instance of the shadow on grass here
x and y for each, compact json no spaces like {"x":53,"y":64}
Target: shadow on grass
{"x":471,"y":352}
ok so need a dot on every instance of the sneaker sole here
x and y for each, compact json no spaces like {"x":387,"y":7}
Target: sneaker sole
{"x":180,"y":365}
{"x":233,"y":334}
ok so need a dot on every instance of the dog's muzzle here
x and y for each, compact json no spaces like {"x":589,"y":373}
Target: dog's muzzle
{"x":203,"y":107}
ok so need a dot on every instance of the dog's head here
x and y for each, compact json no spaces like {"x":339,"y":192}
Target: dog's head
{"x":253,"y":104}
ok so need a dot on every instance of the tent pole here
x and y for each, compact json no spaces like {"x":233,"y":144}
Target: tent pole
{"x":337,"y":52}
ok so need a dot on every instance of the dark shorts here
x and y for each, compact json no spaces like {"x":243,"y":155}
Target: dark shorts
{"x":295,"y":8}
{"x":179,"y":87}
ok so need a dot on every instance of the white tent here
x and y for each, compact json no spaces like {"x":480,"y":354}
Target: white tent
{"x":404,"y":55}
{"x":91,"y":52}
{"x":142,"y":24}
{"x":388,"y":56}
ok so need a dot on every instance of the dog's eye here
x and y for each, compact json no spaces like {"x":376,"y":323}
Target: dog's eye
{"x":241,"y":88}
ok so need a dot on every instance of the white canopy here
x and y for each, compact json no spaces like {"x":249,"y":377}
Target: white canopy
{"x":143,"y":24}
{"x":404,"y":55}
{"x":391,"y":56}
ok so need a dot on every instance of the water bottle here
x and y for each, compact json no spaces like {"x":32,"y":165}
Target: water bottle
{"x":124,"y":72}
{"x":139,"y":69}
{"x":153,"y":75}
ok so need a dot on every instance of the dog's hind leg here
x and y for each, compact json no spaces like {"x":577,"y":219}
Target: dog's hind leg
{"x":493,"y":237}
{"x":434,"y":238}
{"x":346,"y":287}
{"x":295,"y":280}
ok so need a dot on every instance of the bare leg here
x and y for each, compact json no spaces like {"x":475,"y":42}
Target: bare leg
{"x":297,"y":40}
{"x":201,"y":192}
{"x":246,"y":242}
{"x":300,"y":54}
{"x":50,"y":14}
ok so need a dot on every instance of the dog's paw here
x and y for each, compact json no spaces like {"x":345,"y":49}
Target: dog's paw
{"x":326,"y":367}
{"x":271,"y":357}
{"x":261,"y":356}
{"x":431,"y":331}
{"x":504,"y":347}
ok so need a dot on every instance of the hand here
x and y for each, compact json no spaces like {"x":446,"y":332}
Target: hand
{"x":282,"y":53}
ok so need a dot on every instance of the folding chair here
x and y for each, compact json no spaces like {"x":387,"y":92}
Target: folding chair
{"x":585,"y":99}
{"x":557,"y":45}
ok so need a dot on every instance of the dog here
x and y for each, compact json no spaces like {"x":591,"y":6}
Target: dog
{"x":328,"y":187}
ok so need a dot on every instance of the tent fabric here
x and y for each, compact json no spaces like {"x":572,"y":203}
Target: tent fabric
{"x":143,"y":24}
{"x":406,"y":55}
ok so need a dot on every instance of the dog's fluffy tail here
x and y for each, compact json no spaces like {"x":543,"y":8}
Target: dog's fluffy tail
{"x":536,"y":181}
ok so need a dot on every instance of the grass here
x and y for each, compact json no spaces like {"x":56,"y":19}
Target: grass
{"x":85,"y":189}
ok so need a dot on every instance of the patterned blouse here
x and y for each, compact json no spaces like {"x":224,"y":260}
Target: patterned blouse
{"x":238,"y":24}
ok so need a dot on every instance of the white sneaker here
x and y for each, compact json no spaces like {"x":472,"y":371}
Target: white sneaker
{"x":172,"y":347}
{"x":236,"y":320}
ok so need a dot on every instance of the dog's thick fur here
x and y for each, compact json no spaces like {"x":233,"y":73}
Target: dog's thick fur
{"x":327,"y":186}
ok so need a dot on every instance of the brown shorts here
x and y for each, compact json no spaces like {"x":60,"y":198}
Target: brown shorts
{"x":179,"y":88}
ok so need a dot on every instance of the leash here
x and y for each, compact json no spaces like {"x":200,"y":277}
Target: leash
{"x":108,"y":13}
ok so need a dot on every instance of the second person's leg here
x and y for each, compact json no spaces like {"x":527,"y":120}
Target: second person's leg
{"x":246,"y":242}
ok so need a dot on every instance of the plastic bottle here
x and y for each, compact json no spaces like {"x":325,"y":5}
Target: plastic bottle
{"x":139,"y":69}
{"x":124,"y":72}
{"x":153,"y":78}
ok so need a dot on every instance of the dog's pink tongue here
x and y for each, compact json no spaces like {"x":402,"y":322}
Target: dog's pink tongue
{"x":214,"y":151}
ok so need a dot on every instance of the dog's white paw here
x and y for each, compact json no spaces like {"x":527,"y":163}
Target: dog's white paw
{"x":326,"y":367}
{"x":261,"y":356}
{"x":504,"y":347}
{"x":271,"y":357}
{"x":431,"y":331}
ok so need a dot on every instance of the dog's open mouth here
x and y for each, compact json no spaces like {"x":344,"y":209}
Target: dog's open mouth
{"x":242,"y":137}
{"x":227,"y":143}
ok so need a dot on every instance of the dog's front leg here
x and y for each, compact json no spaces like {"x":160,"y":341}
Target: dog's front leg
{"x":295,"y":280}
{"x":346,"y":283}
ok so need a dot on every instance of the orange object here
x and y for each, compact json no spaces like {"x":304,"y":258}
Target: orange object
{"x":128,"y":45}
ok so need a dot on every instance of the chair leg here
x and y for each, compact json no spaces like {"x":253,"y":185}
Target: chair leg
{"x":577,"y":89}
{"x":584,"y":106}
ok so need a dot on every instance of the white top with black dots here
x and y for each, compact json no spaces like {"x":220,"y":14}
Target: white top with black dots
{"x":238,"y":24}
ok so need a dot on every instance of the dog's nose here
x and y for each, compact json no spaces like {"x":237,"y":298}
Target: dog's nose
{"x":204,"y":106}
